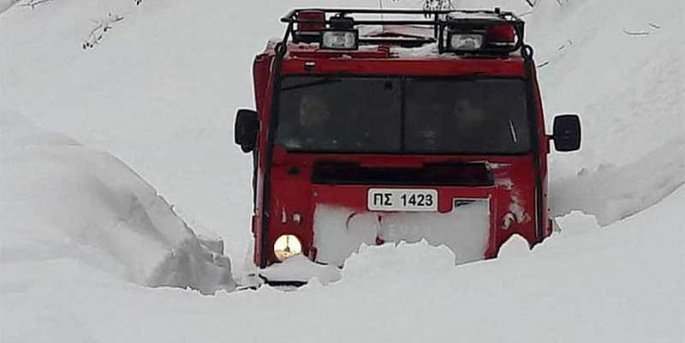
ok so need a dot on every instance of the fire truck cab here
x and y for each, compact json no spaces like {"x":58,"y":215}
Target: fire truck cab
{"x":377,"y":126}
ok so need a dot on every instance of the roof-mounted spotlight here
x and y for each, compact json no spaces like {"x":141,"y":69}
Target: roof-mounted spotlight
{"x":340,"y":39}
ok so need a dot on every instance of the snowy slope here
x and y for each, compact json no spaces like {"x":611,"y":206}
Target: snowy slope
{"x":622,"y":67}
{"x":617,"y":285}
{"x":63,"y":200}
{"x":159,"y":90}
{"x":6,"y":4}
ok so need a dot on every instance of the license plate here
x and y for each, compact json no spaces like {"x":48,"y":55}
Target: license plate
{"x":412,"y":200}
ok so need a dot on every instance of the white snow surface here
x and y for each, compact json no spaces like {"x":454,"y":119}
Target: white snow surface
{"x":159,"y":90}
{"x":6,"y":4}
{"x":339,"y":232}
{"x":63,"y":201}
{"x":300,"y":268}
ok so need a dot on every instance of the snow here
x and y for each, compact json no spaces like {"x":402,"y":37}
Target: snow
{"x":158,"y":91}
{"x":426,"y":50}
{"x":300,"y":268}
{"x":464,"y":230}
{"x":5,"y":5}
{"x":339,"y":232}
{"x":516,"y":246}
{"x":611,"y":193}
{"x":571,"y":289}
{"x":87,"y":206}
{"x":474,"y":16}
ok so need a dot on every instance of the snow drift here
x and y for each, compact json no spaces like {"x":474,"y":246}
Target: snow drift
{"x":611,"y":193}
{"x":159,"y":91}
{"x":60,"y":199}
{"x":621,"y":66}
{"x":6,"y":4}
{"x":340,"y":232}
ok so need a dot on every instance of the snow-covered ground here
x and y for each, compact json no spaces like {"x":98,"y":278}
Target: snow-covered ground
{"x":157,"y":84}
{"x":63,"y":200}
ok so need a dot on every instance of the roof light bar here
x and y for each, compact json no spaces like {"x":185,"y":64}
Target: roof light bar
{"x":311,"y":21}
{"x":472,"y":32}
{"x":340,"y":40}
{"x":309,"y":25}
{"x":482,"y":38}
{"x":465,"y":41}
{"x":501,"y":35}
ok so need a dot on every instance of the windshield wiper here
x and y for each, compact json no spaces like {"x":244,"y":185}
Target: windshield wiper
{"x":322,"y":81}
{"x":512,"y":130}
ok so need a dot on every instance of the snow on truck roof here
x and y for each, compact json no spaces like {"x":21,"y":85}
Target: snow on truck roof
{"x":369,"y":33}
{"x":483,"y":15}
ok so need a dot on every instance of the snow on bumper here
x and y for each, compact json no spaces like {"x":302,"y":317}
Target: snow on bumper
{"x":339,"y":231}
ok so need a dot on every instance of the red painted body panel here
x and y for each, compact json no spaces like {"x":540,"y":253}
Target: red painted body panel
{"x":512,"y":198}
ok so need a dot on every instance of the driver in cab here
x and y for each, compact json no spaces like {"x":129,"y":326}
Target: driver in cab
{"x":311,"y":127}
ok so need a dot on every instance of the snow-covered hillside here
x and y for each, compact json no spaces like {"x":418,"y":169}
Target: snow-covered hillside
{"x":61,"y":199}
{"x":156,"y":84}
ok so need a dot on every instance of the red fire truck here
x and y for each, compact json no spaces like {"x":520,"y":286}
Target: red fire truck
{"x":386,"y":125}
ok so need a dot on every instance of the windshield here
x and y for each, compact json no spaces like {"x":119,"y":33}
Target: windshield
{"x":403,"y":115}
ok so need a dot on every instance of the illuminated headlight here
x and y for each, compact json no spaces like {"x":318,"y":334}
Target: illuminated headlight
{"x":465,"y":41}
{"x":287,"y":246}
{"x":340,"y":40}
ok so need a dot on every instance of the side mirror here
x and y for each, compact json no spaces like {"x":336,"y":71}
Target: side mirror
{"x":246,"y":129}
{"x":566,"y":132}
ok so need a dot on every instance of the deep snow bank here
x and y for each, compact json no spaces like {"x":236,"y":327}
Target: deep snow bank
{"x":621,"y":66}
{"x":60,"y":199}
{"x":153,"y":92}
{"x":6,"y":4}
{"x":619,"y":284}
{"x":611,"y":193}
{"x":339,"y":232}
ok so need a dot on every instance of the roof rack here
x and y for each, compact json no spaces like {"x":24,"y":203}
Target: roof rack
{"x":441,"y":22}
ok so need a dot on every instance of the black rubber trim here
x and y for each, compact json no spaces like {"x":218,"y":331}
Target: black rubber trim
{"x":402,"y":80}
{"x":281,"y":49}
{"x":431,"y":174}
{"x":529,"y":64}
